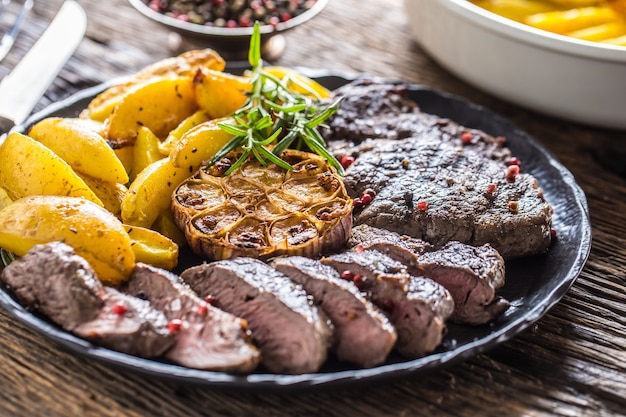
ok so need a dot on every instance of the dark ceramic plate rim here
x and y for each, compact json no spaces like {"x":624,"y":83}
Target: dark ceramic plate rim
{"x":444,"y":105}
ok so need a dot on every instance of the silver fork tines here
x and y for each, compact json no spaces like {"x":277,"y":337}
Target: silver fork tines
{"x":8,"y":39}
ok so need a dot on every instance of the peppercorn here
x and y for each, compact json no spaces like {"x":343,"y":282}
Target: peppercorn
{"x":347,"y":275}
{"x":512,"y":172}
{"x":466,"y":138}
{"x":422,"y":205}
{"x":346,"y":161}
{"x":513,"y":206}
{"x":119,"y":309}
{"x":175,"y":326}
{"x":231,"y":13}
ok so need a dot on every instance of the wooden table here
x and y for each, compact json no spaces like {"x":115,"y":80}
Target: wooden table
{"x":571,"y":363}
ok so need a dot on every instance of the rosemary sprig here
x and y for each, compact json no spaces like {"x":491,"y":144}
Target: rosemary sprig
{"x":273,"y":118}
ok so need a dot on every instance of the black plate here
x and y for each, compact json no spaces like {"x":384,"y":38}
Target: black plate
{"x":533,"y":285}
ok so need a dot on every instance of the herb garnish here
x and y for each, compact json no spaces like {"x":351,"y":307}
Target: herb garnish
{"x":273,"y":118}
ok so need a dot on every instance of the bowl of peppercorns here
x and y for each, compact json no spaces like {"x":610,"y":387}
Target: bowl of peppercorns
{"x":226,"y":25}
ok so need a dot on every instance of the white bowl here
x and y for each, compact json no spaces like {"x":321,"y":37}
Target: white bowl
{"x":575,"y":80}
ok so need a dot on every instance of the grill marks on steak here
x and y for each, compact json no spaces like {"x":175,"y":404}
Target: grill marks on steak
{"x":471,"y":274}
{"x":432,"y":164}
{"x":54,"y":281}
{"x":363,"y":334}
{"x":292,"y":335}
{"x":417,"y":306}
{"x":209,"y":338}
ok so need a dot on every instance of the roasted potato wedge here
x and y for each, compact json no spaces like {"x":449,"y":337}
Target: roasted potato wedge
{"x":27,"y":168}
{"x":174,"y":136}
{"x":200,"y":144}
{"x":151,"y":192}
{"x":166,"y":225}
{"x":146,"y":150}
{"x":160,"y":106}
{"x":152,"y":248}
{"x":110,"y":193}
{"x":5,"y":200}
{"x":92,"y":231}
{"x":220,"y":94}
{"x":78,"y":143}
{"x":184,"y":65}
{"x":299,"y":82}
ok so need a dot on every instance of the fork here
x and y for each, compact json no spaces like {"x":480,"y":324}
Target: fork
{"x":8,"y":39}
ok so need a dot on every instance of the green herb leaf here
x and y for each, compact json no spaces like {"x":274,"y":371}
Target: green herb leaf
{"x":275,"y":115}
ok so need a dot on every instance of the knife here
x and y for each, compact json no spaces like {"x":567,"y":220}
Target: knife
{"x":22,"y":89}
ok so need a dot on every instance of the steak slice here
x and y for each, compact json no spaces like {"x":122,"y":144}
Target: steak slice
{"x":417,"y":307}
{"x":51,"y":279}
{"x":471,"y":274}
{"x":128,"y":324}
{"x":290,"y":332}
{"x":206,"y":337}
{"x":363,"y":334}
{"x":54,"y":281}
{"x":459,"y":177}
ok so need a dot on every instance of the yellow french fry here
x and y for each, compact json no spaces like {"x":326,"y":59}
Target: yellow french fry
{"x":566,"y":21}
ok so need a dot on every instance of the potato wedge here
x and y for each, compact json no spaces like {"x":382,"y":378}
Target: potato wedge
{"x":153,"y":248}
{"x":199,"y":145}
{"x":110,"y":193}
{"x":27,"y":167}
{"x":79,"y":144}
{"x":160,"y":106}
{"x":298,"y":82}
{"x":184,"y":65}
{"x":220,"y":94}
{"x":92,"y":231}
{"x":151,"y":192}
{"x":166,"y":225}
{"x":146,"y":150}
{"x":126,"y":154}
{"x":5,"y":200}
{"x":174,"y":136}
{"x":601,"y":32}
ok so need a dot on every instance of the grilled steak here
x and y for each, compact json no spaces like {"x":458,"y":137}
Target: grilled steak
{"x":128,"y":324}
{"x":417,"y":307}
{"x":54,"y":281}
{"x":471,"y":274}
{"x":437,"y":181}
{"x":363,"y":335}
{"x":206,"y":337}
{"x":290,"y":332}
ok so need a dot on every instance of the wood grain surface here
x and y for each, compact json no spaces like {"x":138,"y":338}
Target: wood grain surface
{"x":571,"y":363}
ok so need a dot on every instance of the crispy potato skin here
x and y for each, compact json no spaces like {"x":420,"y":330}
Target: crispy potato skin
{"x":27,"y":168}
{"x":92,"y":231}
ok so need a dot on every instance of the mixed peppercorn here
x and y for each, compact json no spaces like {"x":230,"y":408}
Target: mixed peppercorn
{"x":231,"y":13}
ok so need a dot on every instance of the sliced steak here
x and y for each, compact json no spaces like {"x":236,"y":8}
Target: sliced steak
{"x":471,"y":274}
{"x":363,"y":334}
{"x":51,"y":279}
{"x":401,"y":248}
{"x":435,"y":180}
{"x":128,"y":324}
{"x":417,"y":307}
{"x":290,"y":332}
{"x":206,"y":337}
